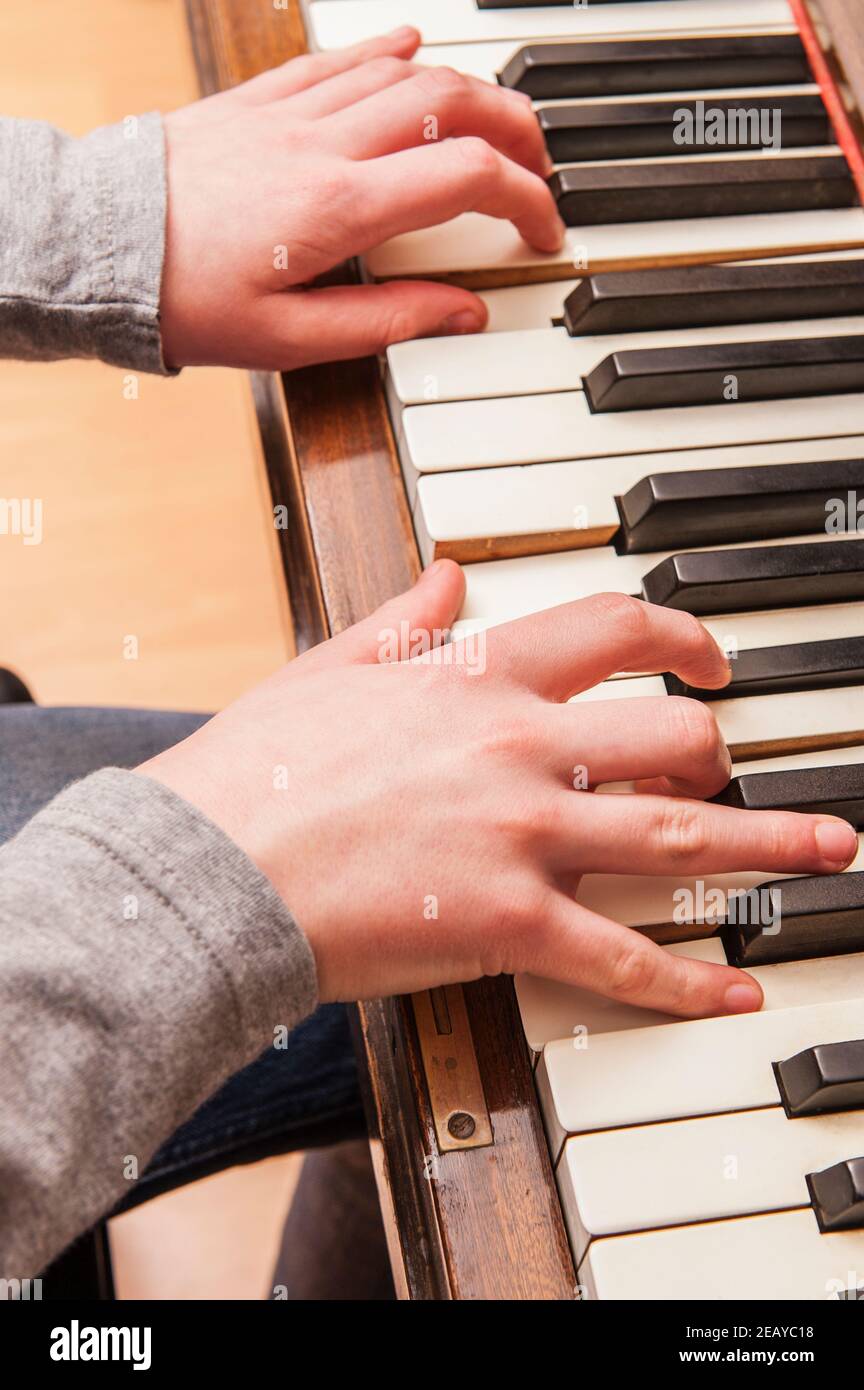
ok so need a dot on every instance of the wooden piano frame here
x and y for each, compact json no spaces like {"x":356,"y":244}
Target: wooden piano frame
{"x":476,"y":1220}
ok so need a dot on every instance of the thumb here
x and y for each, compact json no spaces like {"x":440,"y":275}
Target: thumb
{"x":404,"y":626}
{"x":342,"y":321}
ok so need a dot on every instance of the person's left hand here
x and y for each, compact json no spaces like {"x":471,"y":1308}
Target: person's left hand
{"x":279,"y":180}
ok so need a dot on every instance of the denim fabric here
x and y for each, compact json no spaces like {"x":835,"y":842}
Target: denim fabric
{"x":296,"y":1098}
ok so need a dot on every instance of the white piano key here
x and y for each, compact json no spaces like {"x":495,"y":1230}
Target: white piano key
{"x":697,"y":1170}
{"x":536,"y":305}
{"x":551,"y":1011}
{"x":530,"y":505}
{"x":484,"y":60}
{"x":710,"y":157}
{"x":778,"y":1256}
{"x":490,"y":250}
{"x":804,"y":718}
{"x":544,"y":429}
{"x":336,"y":23}
{"x":526,"y":306}
{"x":822,"y":757}
{"x":680,"y":1070}
{"x":542,"y":360}
{"x":498,"y":591}
{"x":526,"y":510}
{"x":784,"y":626}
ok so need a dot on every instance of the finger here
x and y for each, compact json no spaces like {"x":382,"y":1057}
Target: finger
{"x":579,"y":947}
{"x":666,"y":835}
{"x":564,"y":650}
{"x":404,"y":626}
{"x":423,"y":187}
{"x":300,"y":73}
{"x":342,"y":91}
{"x":629,"y":740}
{"x":339,"y":322}
{"x":435,"y":104}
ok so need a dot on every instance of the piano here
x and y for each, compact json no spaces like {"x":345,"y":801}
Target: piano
{"x":672,"y":407}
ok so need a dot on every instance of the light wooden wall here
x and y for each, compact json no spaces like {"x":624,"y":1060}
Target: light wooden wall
{"x":155,"y":515}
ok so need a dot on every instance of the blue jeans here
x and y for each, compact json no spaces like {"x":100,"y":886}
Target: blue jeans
{"x":303,"y":1096}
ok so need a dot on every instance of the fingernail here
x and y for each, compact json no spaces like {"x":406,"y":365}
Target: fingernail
{"x":837,"y":842}
{"x":466,"y":321}
{"x":742,"y":999}
{"x":405,"y":31}
{"x":549,"y":169}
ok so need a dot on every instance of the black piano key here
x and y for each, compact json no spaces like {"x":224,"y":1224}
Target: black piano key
{"x":795,"y":919}
{"x":634,"y":130}
{"x":639,"y":301}
{"x":714,"y":373}
{"x":589,"y":194}
{"x":812,"y":791}
{"x":782,"y":670}
{"x":621,"y":67}
{"x":772,"y":576}
{"x":717,"y":505}
{"x":822,"y":1080}
{"x":837,"y":1196}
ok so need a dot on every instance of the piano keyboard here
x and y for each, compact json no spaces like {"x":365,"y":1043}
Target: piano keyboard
{"x":605,"y":79}
{"x":335,"y":23}
{"x":587,"y":442}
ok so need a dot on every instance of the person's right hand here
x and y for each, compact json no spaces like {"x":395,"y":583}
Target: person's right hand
{"x":419,"y":817}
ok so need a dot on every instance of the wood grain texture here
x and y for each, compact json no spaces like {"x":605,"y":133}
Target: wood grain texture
{"x":482,"y":1223}
{"x":844,"y":21}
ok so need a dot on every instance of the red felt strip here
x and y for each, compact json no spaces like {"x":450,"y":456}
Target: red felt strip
{"x":844,"y":130}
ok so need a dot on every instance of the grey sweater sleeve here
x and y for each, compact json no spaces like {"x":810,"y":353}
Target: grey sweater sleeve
{"x":143,"y":960}
{"x":82,"y":239}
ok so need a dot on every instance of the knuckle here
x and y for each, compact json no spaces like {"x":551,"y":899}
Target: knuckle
{"x":694,"y":633}
{"x":482,"y":160}
{"x":628,"y":616}
{"x":396,"y":326}
{"x":307,"y":65}
{"x":632,"y":971}
{"x":681,"y":987}
{"x":780,"y":832}
{"x":682,"y":831}
{"x":514,"y":739}
{"x":522,"y":911}
{"x":443,"y":82}
{"x":522,"y":826}
{"x":388,"y":68}
{"x":694,"y":727}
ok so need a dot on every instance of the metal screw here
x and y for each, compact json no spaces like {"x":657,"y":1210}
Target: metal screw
{"x":461,"y":1125}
